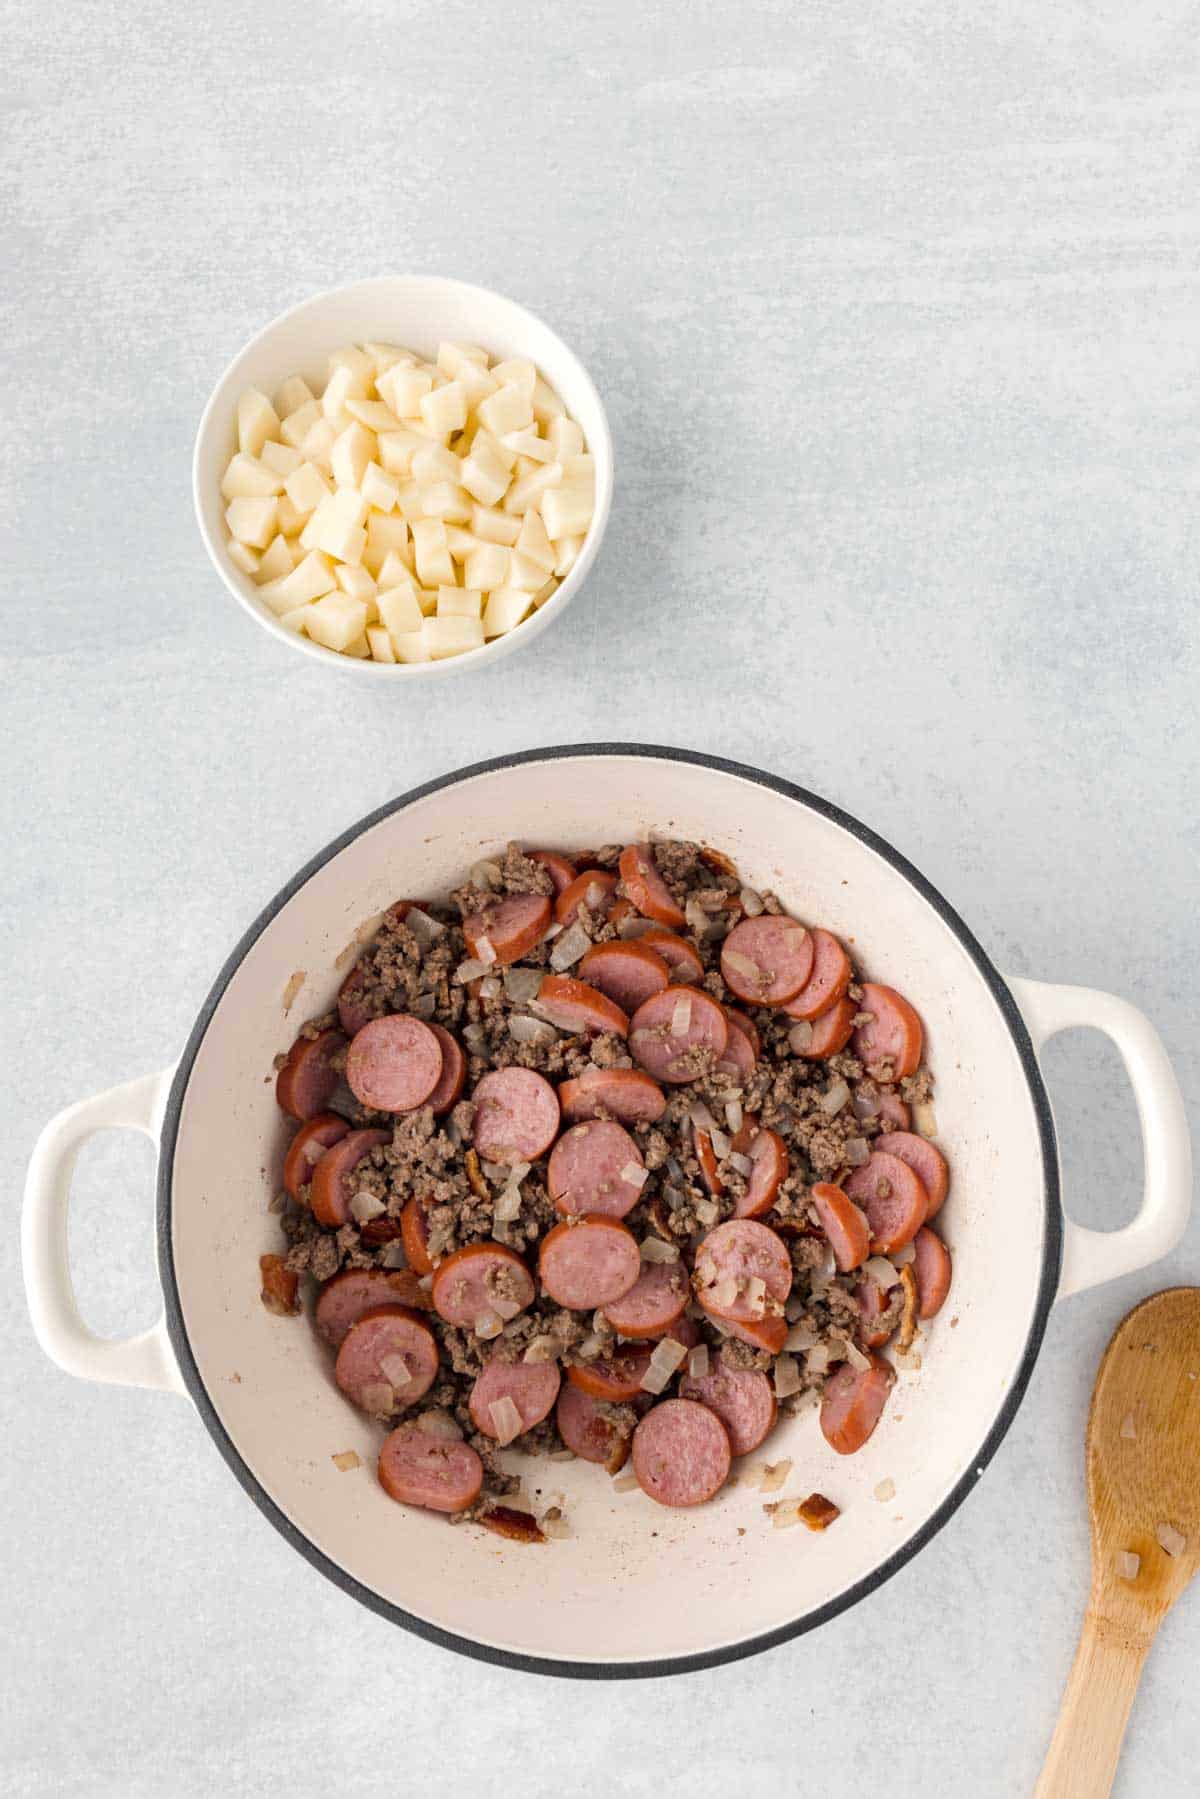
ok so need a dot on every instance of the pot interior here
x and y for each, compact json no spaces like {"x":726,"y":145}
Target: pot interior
{"x":634,"y":1583}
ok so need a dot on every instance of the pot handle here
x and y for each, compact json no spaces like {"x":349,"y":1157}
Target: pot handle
{"x":1092,"y":1257}
{"x":145,"y":1361}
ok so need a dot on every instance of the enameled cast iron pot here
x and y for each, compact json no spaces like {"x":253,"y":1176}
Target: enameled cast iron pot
{"x":612,"y":1599}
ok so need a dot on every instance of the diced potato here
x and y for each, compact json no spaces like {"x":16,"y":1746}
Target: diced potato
{"x":246,"y":478}
{"x":349,"y":505}
{"x":567,"y":510}
{"x":336,"y":620}
{"x":427,"y":601}
{"x":508,"y":409}
{"x":483,"y":473}
{"x":403,"y":389}
{"x":397,"y":449}
{"x":565,"y":438}
{"x":254,"y":521}
{"x":516,"y":370}
{"x":360,"y":648}
{"x":566,"y":551}
{"x":434,"y":462}
{"x":373,"y":414}
{"x":545,"y":593}
{"x":494,"y":527}
{"x":281,"y":457}
{"x":397,"y":565}
{"x":452,"y":636}
{"x":342,"y":385}
{"x":297,"y":425}
{"x":528,"y":445}
{"x":506,"y":607}
{"x":306,"y":487}
{"x":408,"y":501}
{"x":291,"y":519}
{"x":527,"y":491}
{"x":381,"y":644}
{"x":524,"y":574}
{"x":361,"y":366}
{"x":411,"y":647}
{"x":460,"y":543}
{"x":358,"y":584}
{"x":335,"y":526}
{"x":377,"y":489}
{"x":257,"y":420}
{"x":399,"y":609}
{"x":311,"y":579}
{"x":276,"y":561}
{"x":445,"y":409}
{"x":387,"y":356}
{"x":487,"y":566}
{"x":546,"y":403}
{"x":434,"y":567}
{"x":295,"y":620}
{"x":352,"y":453}
{"x":294,"y":394}
{"x":459,"y":602}
{"x":442,"y":499}
{"x":453,"y":358}
{"x":243,"y":557}
{"x":318,"y":445}
{"x":477,"y":383}
{"x":535,"y":545}
{"x":580,"y":468}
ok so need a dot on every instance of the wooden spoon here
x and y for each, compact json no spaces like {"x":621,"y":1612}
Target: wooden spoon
{"x":1143,"y":1474}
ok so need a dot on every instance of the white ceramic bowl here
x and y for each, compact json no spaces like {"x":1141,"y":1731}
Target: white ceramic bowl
{"x":612,"y":1599}
{"x":416,"y":312}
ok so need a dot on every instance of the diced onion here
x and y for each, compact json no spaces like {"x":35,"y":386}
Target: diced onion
{"x":698,"y":1361}
{"x":902,"y":1257}
{"x":1128,"y":1427}
{"x":925,"y":1119}
{"x":725,"y":1293}
{"x":667,"y":1356}
{"x":521,"y":984}
{"x":855,"y":1356}
{"x":554,"y":1527}
{"x":489,"y":1324}
{"x":774,"y":1475}
{"x":741,"y":1163}
{"x":880,"y":1270}
{"x":800,"y":1037}
{"x":1126,"y":1563}
{"x":424,"y":1005}
{"x":568,"y":948}
{"x":656,"y":1249}
{"x":720,"y":1144}
{"x":785,"y":1514}
{"x":508,"y":1206}
{"x":885,"y":1490}
{"x":541,"y":1349}
{"x":818,"y":1359}
{"x":734,"y":1115}
{"x":496,"y":1172}
{"x":349,"y":1458}
{"x":523,"y":1029}
{"x":700,"y":1115}
{"x":378,"y":1398}
{"x":485,"y":950}
{"x":490,"y":988}
{"x":786,"y":1377}
{"x":591,"y":1346}
{"x":740,"y":964}
{"x":834,"y":1098}
{"x":395,"y":1369}
{"x":475,"y":1038}
{"x":470,"y":970}
{"x":822,"y":1275}
{"x":485,"y":874}
{"x":801,"y":1336}
{"x":625,"y":1483}
{"x":506,"y":1420}
{"x":707,"y":1212}
{"x":426,"y":930}
{"x":633,"y":926}
{"x":393,"y":1255}
{"x":681,"y":1015}
{"x":437,"y":1423}
{"x":858,"y":1151}
{"x":1171,"y":1541}
{"x":507,"y":1308}
{"x":365,"y":1206}
{"x":699,"y":923}
{"x":751,"y":902}
{"x":866,"y":1104}
{"x":634,"y":1175}
{"x":756,"y":1295}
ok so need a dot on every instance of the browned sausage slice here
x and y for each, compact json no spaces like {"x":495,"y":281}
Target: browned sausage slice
{"x":306,"y":1083}
{"x":454,"y":1072}
{"x":707,"y":1158}
{"x":742,"y":1398}
{"x":353,"y":1010}
{"x":506,"y":929}
{"x":345,"y":1297}
{"x":925,"y":1160}
{"x":769,"y":1169}
{"x":394,"y":1063}
{"x":614,"y":1377}
{"x":627,"y":973}
{"x":478,"y":1279}
{"x":872,"y":1304}
{"x":892,"y":1111}
{"x":747,"y":1027}
{"x":516,"y":1115}
{"x":307,"y":1147}
{"x":768,"y":1333}
{"x":893,"y":1198}
{"x":767,"y":960}
{"x":575,"y":1006}
{"x":828,"y":981}
{"x":852,"y":1402}
{"x":738,"y":1060}
{"x":831,"y":1031}
{"x":676,"y":952}
{"x":332,"y":1184}
{"x":743,"y":1273}
{"x":890,"y":1045}
{"x":388,"y":1358}
{"x":414,"y":1234}
{"x":583,"y":1426}
{"x":845,"y":1225}
{"x":681,"y":1453}
{"x":596,"y":1167}
{"x":932,"y":1271}
{"x":561,"y":871}
{"x":532,"y":1387}
{"x":653,"y":1305}
{"x":677,"y":1033}
{"x":646,"y":887}
{"x":587,"y":1264}
{"x":594,"y":888}
{"x":628,"y":1094}
{"x":419,"y":1468}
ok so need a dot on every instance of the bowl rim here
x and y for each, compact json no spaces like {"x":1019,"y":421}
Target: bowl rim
{"x":599,"y":443}
{"x":1006,"y":1412}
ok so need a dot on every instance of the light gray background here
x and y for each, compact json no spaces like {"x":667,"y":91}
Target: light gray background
{"x":898,"y":325}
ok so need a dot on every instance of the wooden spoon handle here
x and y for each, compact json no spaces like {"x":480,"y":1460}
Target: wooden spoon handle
{"x":1085,"y":1749}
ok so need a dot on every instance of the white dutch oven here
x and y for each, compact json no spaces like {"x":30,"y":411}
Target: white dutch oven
{"x":614,"y":1599}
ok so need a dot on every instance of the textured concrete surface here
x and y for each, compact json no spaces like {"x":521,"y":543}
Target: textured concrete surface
{"x":897,"y":315}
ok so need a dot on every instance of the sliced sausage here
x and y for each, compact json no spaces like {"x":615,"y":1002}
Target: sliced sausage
{"x":516,"y":1115}
{"x":732,"y":1263}
{"x":506,"y":929}
{"x":828,"y":981}
{"x":844,"y":1224}
{"x":388,"y":1358}
{"x":575,"y":1006}
{"x":585,"y":1265}
{"x":394,"y":1063}
{"x":532,"y":1387}
{"x":890,"y":1045}
{"x":747,"y":1027}
{"x":681,"y":1453}
{"x":615,"y":1377}
{"x":706,"y":1155}
{"x":769,"y":1156}
{"x":742,"y":1398}
{"x":675,"y":1034}
{"x":852,"y":1402}
{"x":932,"y":1271}
{"x":627,"y":973}
{"x":768,"y":1333}
{"x":646,"y":887}
{"x":654,"y":1304}
{"x":892,"y":1111}
{"x":332,"y":1184}
{"x":454,"y":1072}
{"x":767,"y":960}
{"x":583,"y":1426}
{"x":307,"y":1147}
{"x":419,"y":1468}
{"x":353,"y":1010}
{"x":676,"y":952}
{"x":738,"y":1060}
{"x":414,"y":1234}
{"x":893,"y":1197}
{"x":872,"y":1304}
{"x":591,"y":1167}
{"x":831,"y":1031}
{"x":481,"y":1278}
{"x":925,"y":1160}
{"x":628,"y":1094}
{"x":345,"y":1297}
{"x":306,"y":1083}
{"x":561,"y":871}
{"x":595,"y":888}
